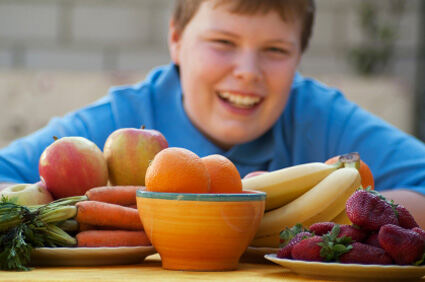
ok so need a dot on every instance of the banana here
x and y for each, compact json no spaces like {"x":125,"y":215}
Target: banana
{"x":269,"y":241}
{"x":315,"y":202}
{"x":286,"y":184}
{"x":342,"y":218}
{"x":334,"y":209}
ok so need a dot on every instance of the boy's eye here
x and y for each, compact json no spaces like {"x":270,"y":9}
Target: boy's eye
{"x":223,"y":42}
{"x":277,"y":50}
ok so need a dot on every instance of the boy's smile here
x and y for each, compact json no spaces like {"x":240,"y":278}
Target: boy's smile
{"x":236,"y":70}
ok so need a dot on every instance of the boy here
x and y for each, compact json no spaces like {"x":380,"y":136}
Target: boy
{"x":233,"y":89}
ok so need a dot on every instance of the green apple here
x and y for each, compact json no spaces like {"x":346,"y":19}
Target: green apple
{"x":128,"y":152}
{"x":27,"y":194}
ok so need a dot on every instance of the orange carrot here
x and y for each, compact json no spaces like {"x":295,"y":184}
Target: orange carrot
{"x":119,"y":195}
{"x":132,"y":206}
{"x":112,"y":238}
{"x":105,"y":214}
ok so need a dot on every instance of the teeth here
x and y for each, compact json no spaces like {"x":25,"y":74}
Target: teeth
{"x":239,"y":100}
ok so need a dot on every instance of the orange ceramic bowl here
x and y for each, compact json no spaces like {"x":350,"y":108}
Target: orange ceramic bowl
{"x":201,"y":232}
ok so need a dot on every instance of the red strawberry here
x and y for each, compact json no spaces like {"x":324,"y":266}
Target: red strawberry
{"x":403,"y":245}
{"x":365,"y":254}
{"x":373,"y":240}
{"x":321,"y":228}
{"x":419,"y":231}
{"x":355,"y":233}
{"x":285,"y":252}
{"x":405,"y":218}
{"x":369,"y":211}
{"x":308,"y":249}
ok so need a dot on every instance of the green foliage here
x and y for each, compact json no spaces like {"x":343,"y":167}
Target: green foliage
{"x":375,"y":53}
{"x":287,"y":234}
{"x":332,"y":246}
{"x":24,"y":228}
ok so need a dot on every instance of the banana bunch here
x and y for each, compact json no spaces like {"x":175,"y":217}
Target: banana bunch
{"x":307,"y":193}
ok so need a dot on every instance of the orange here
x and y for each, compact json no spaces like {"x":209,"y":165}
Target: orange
{"x":364,"y":171}
{"x":224,"y":175}
{"x":177,"y":170}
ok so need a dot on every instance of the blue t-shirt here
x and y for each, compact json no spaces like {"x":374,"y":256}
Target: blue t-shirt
{"x":317,"y":123}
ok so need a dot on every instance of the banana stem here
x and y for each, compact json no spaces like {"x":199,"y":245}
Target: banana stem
{"x":351,"y":160}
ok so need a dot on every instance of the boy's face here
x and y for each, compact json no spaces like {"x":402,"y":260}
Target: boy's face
{"x":236,"y":71}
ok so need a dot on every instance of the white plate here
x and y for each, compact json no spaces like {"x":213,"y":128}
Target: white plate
{"x":90,"y":256}
{"x":349,"y":271}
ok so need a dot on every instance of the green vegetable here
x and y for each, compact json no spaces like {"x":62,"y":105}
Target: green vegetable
{"x":24,"y":228}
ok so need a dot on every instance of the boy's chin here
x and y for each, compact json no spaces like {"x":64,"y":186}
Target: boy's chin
{"x":230,"y":139}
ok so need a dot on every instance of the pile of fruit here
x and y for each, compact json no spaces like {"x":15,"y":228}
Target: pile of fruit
{"x":381,"y":233}
{"x":73,"y":206}
{"x":306,"y":194}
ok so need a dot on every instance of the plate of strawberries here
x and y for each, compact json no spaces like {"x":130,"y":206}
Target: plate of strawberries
{"x":383,"y":242}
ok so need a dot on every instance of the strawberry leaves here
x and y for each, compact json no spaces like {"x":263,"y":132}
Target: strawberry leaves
{"x":287,"y":234}
{"x":332,"y":246}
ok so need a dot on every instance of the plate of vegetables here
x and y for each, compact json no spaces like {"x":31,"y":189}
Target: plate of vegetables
{"x":86,"y":256}
{"x":78,"y":230}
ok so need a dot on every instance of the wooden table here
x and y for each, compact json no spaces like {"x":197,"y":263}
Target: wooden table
{"x":150,"y":270}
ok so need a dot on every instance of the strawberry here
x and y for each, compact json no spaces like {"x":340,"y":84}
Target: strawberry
{"x":321,"y":228}
{"x":327,"y":247}
{"x":373,"y":240}
{"x":403,"y":245}
{"x":419,"y":231}
{"x":365,"y":254}
{"x":308,"y":249}
{"x":354,"y":232}
{"x":405,"y":218}
{"x":369,"y":211}
{"x":285,"y":252}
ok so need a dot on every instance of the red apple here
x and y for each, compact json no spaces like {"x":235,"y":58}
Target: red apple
{"x":72,"y":165}
{"x":254,"y":173}
{"x":128,"y":152}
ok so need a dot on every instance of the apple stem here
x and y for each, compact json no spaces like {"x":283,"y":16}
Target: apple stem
{"x":55,"y":138}
{"x":143,"y":126}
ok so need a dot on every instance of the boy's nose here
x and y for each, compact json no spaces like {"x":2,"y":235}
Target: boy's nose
{"x":247,"y":67}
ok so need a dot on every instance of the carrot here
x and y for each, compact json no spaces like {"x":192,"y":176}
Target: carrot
{"x":119,"y":195}
{"x":112,"y":238}
{"x":105,"y":214}
{"x":132,"y":206}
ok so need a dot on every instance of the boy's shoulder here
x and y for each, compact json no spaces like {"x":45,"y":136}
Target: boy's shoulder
{"x":154,"y":78}
{"x":309,"y":86}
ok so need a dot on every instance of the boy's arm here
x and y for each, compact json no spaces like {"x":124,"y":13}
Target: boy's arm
{"x":414,"y":202}
{"x":4,"y":185}
{"x":19,"y":160}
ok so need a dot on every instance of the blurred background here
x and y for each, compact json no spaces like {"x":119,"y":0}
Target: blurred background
{"x":59,"y":55}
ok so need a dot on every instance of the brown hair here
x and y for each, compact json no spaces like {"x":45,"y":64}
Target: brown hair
{"x":288,"y":10}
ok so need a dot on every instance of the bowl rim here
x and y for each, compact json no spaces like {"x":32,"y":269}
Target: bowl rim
{"x":210,"y":197}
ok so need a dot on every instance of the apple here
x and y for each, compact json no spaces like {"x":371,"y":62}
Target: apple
{"x":128,"y":152}
{"x":72,"y":165}
{"x":27,"y":194}
{"x":255,"y":173}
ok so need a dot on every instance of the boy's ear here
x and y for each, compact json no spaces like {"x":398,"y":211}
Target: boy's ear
{"x":173,"y":42}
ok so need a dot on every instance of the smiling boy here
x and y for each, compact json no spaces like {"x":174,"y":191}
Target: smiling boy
{"x":233,"y":89}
